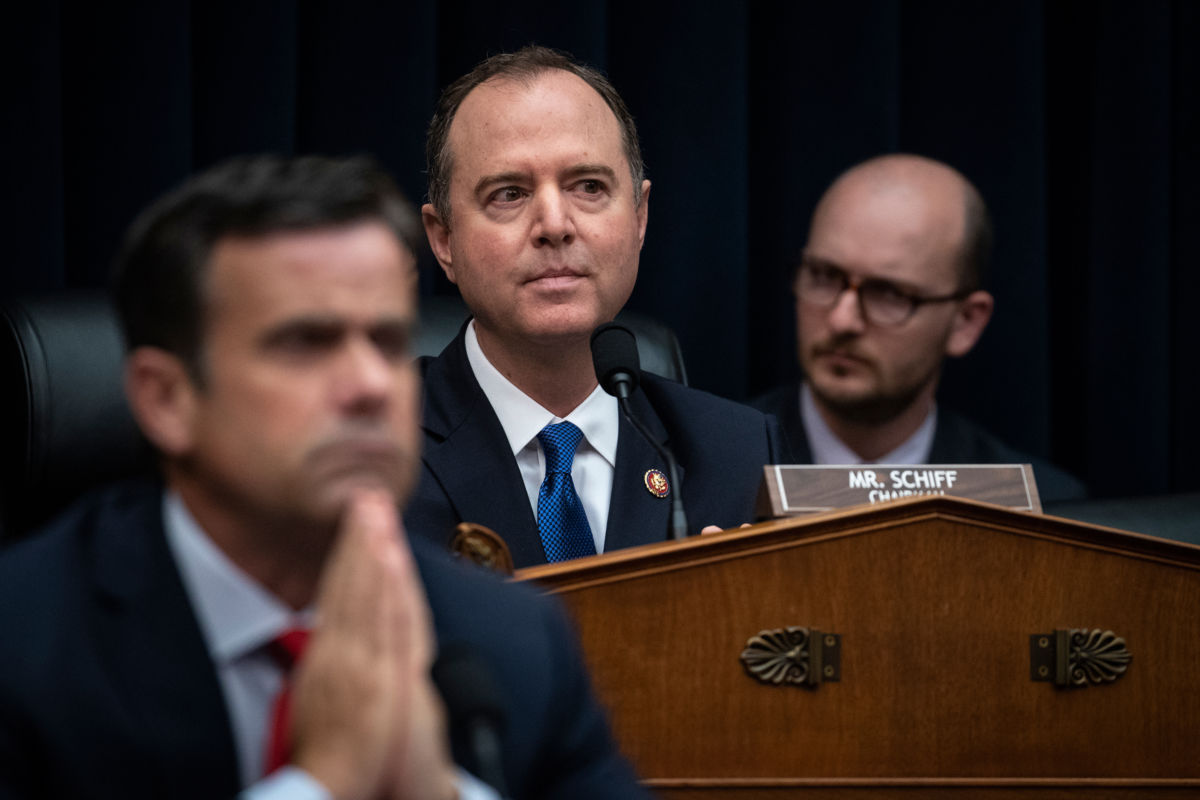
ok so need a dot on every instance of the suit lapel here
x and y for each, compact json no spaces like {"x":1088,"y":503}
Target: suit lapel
{"x":151,"y":645}
{"x":784,"y":403}
{"x":793,"y":426}
{"x":487,"y":487}
{"x":635,"y":516}
{"x":954,"y":442}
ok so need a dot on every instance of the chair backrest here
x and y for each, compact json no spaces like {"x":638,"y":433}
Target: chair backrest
{"x":64,"y":423}
{"x":658,"y":348}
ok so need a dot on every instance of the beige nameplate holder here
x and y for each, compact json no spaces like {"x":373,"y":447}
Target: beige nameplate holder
{"x":795,"y":489}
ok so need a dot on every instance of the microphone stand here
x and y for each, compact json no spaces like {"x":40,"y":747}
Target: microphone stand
{"x":678,"y":515}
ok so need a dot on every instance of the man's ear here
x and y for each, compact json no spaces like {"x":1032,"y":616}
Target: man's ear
{"x":438,"y":233}
{"x":972,"y":317}
{"x":643,"y":212}
{"x":162,"y":396}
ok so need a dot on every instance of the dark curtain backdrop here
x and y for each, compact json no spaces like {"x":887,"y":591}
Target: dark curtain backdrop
{"x":1077,"y":120}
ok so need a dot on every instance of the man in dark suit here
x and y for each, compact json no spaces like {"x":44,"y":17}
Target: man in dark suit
{"x":538,"y":208}
{"x":267,"y":306}
{"x":889,"y":285}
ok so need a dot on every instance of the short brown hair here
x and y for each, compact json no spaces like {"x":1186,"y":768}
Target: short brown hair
{"x":523,"y":65}
{"x":161,"y":270}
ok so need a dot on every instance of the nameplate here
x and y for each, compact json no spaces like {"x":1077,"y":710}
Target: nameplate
{"x":795,"y":489}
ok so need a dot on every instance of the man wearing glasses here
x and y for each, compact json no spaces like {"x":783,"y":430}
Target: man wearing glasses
{"x":888,"y":286}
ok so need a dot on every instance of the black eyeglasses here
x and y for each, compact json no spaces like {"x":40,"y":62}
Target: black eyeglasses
{"x":881,"y":302}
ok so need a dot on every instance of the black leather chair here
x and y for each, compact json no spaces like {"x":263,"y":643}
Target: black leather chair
{"x":658,"y":349}
{"x":64,"y":424}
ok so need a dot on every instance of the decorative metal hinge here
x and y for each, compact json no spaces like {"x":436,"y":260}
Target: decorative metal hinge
{"x":1077,"y":657}
{"x":793,"y":655}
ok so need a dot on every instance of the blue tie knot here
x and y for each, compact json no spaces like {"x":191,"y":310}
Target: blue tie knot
{"x":558,"y":443}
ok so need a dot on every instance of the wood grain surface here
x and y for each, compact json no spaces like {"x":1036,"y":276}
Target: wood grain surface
{"x":935,"y":600}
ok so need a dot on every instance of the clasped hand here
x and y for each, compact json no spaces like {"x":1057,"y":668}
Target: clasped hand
{"x":367,"y":721}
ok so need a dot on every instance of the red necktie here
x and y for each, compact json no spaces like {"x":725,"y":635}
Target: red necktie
{"x":286,"y":649}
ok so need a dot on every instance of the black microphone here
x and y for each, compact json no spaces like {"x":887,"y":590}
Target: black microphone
{"x":475,"y":705}
{"x":615,"y":358}
{"x":618,"y":369}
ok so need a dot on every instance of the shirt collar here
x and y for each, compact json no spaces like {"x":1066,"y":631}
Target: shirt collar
{"x":827,"y":448}
{"x":522,"y":417}
{"x":236,"y":614}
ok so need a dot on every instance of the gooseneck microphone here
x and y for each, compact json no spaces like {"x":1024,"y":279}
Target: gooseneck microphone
{"x":618,"y":369}
{"x":475,"y":706}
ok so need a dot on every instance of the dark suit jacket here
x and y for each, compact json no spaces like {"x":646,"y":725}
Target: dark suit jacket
{"x":957,"y":440}
{"x":107,"y":689}
{"x":470,"y":474}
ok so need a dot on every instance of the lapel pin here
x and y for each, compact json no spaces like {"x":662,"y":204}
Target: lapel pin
{"x":656,"y":483}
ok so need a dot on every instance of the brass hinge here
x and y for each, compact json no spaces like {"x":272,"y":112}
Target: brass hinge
{"x":1077,"y":657}
{"x":794,"y":655}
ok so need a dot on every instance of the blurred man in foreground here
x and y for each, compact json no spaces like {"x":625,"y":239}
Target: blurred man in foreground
{"x":148,"y":635}
{"x":889,"y":285}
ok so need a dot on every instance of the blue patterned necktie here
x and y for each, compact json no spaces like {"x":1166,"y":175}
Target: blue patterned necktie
{"x":562,"y":522}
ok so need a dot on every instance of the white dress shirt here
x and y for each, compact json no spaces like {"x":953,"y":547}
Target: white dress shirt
{"x":522,"y":418}
{"x":827,"y":448}
{"x":238,"y":619}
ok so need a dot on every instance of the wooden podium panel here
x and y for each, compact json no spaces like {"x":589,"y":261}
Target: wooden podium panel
{"x":935,"y":601}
